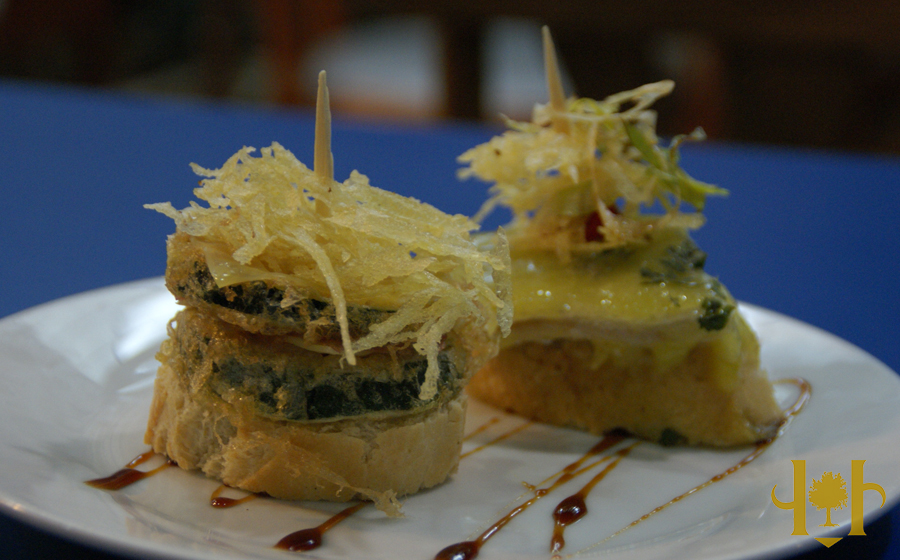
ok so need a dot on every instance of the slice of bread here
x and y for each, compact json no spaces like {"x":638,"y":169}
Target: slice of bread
{"x":640,"y":339}
{"x":564,"y":382}
{"x":370,"y":456}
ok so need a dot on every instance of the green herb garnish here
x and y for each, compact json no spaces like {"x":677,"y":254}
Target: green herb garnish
{"x":715,"y":314}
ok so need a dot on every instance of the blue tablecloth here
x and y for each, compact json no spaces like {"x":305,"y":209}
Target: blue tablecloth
{"x":809,"y":234}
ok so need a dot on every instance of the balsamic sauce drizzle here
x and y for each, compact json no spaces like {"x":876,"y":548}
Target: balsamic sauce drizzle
{"x":496,"y":440}
{"x":129,"y":475}
{"x":567,"y":512}
{"x":760,"y":447}
{"x":805,"y":392}
{"x":216,"y":500}
{"x":467,"y":550}
{"x":573,"y":508}
{"x":311,"y":539}
{"x":302,"y":540}
{"x":482,"y":428}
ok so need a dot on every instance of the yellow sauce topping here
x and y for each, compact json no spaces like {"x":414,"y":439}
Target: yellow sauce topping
{"x":634,"y":284}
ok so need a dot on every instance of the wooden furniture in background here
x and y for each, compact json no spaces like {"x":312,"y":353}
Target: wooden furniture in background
{"x":778,"y":71}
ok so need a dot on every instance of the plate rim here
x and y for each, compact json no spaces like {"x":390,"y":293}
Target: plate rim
{"x":45,"y":520}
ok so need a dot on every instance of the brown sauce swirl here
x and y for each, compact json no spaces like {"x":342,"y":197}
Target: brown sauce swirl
{"x":216,"y":500}
{"x":803,"y":396}
{"x":573,"y":508}
{"x":805,"y":393}
{"x":129,"y":475}
{"x":310,"y":539}
{"x":467,"y":550}
{"x":569,"y":511}
{"x":497,"y":439}
{"x":482,"y":428}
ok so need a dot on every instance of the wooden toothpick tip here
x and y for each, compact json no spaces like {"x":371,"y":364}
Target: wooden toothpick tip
{"x":323,"y":162}
{"x":554,"y":82}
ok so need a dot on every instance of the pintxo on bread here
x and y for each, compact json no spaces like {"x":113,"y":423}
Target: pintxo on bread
{"x":328,"y":332}
{"x":617,"y":325}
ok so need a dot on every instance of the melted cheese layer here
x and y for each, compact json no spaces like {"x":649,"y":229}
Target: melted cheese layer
{"x":650,"y":304}
{"x":648,"y":284}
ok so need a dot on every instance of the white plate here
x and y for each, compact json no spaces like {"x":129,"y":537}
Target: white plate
{"x":76,"y":381}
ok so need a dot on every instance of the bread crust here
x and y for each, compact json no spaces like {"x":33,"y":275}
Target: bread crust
{"x":338,"y":461}
{"x":554,"y":382}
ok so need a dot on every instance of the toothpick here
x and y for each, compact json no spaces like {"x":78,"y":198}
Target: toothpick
{"x":323,"y":162}
{"x":554,"y":83}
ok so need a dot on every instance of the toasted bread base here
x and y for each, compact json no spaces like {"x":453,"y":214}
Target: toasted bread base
{"x":338,"y":461}
{"x":553,"y":382}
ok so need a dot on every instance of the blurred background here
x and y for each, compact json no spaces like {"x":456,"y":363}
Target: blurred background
{"x":815,"y":74}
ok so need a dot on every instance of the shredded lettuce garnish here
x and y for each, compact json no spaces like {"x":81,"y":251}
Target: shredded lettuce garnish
{"x":602,"y":181}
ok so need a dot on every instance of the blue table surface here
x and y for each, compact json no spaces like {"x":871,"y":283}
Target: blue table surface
{"x":810,"y":234}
